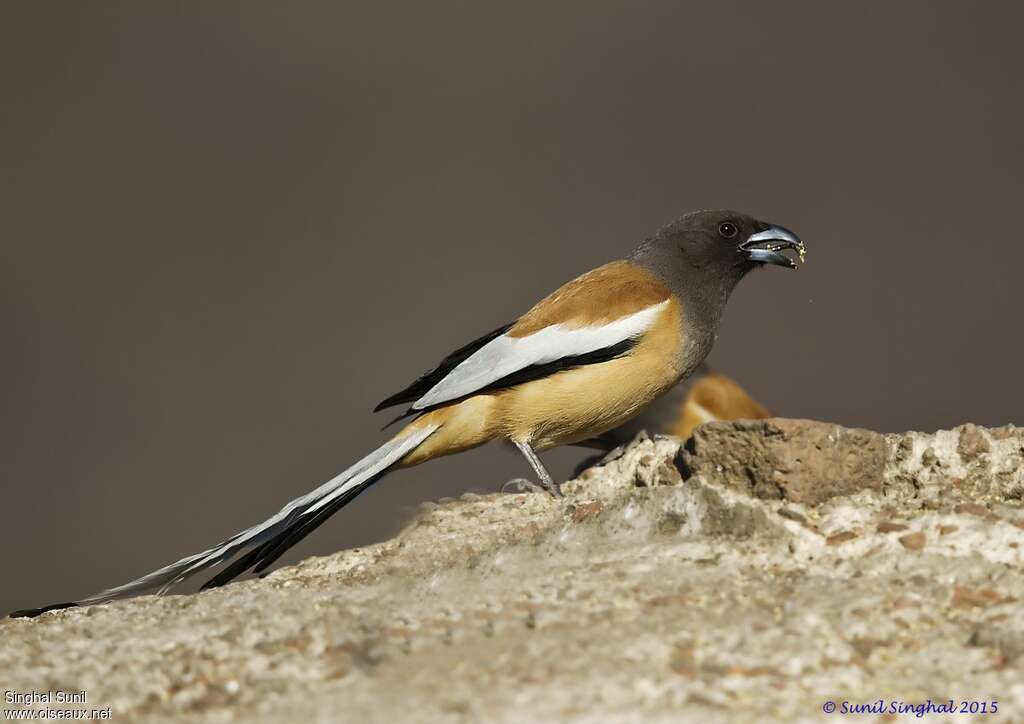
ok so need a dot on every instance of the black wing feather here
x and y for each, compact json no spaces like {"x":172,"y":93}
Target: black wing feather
{"x":419,"y":388}
{"x":535,"y":372}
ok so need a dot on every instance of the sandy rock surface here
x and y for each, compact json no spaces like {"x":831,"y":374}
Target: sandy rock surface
{"x":763,"y":570}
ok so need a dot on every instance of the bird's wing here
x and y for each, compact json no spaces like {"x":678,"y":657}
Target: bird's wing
{"x":416,"y":390}
{"x":594,"y":318}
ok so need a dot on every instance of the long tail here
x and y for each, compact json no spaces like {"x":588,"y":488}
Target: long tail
{"x":261,"y":545}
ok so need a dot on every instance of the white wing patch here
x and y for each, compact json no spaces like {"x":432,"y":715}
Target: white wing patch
{"x":505,"y":355}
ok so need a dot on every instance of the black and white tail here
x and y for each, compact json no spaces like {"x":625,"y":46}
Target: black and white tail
{"x":259,"y":546}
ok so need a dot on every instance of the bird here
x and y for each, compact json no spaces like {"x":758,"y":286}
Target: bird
{"x":582,"y":361}
{"x":707,"y":395}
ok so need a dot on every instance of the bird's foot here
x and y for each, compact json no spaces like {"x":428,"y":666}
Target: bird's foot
{"x":522,"y":485}
{"x":611,"y":456}
{"x":552,"y":487}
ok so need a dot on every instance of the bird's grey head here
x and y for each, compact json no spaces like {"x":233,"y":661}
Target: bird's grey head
{"x":713,"y":250}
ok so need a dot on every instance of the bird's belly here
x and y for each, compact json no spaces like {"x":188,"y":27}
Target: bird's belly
{"x":568,"y":408}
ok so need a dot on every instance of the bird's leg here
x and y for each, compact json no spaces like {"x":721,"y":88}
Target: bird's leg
{"x":546,"y":481}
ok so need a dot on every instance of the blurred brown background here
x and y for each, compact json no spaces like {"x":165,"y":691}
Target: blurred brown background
{"x":228,"y":230}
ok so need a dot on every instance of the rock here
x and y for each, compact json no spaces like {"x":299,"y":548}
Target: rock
{"x":973,"y":509}
{"x":792,"y":515}
{"x":798,"y":460}
{"x":913,"y":541}
{"x":1007,"y":641}
{"x":670,"y":584}
{"x":840,"y":537}
{"x":887,"y":527}
{"x":970,"y":464}
{"x":973,"y":443}
{"x":966,"y":597}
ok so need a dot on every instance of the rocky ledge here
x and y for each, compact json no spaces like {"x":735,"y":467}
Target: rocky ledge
{"x":756,"y":572}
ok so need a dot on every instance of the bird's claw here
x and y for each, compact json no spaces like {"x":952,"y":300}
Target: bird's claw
{"x":519,"y":485}
{"x":522,"y":485}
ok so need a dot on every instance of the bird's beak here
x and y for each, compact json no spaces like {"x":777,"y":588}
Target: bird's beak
{"x":766,"y":246}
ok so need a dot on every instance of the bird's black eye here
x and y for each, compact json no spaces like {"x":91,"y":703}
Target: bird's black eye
{"x":727,"y":230}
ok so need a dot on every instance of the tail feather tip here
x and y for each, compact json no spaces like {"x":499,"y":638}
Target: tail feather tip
{"x":33,"y":612}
